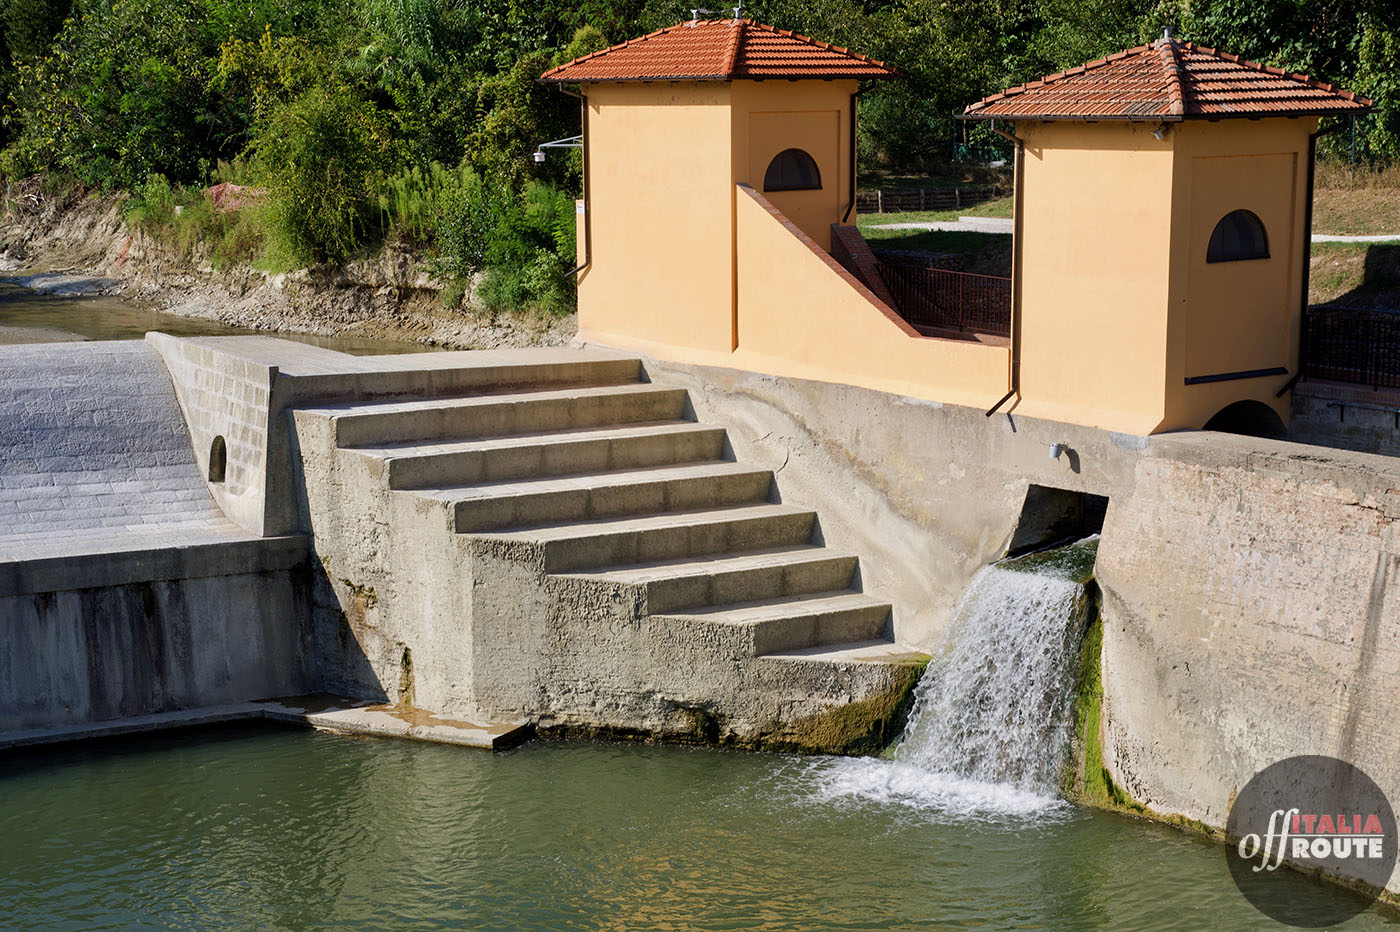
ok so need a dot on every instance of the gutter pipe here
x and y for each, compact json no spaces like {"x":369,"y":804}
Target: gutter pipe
{"x":1014,"y":376}
{"x":587,"y":213}
{"x":1307,"y":251}
{"x":852,"y":204}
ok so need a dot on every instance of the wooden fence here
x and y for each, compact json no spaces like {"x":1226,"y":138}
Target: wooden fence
{"x":881,"y":201}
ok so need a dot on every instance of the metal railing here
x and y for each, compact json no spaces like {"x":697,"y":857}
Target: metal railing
{"x":1352,"y":345}
{"x":947,"y":300}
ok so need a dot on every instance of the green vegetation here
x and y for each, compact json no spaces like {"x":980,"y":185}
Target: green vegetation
{"x":1355,"y":274}
{"x":1364,"y":200}
{"x":411,"y":122}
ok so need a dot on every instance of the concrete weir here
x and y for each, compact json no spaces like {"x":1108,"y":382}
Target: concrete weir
{"x":583,"y":541}
{"x":488,"y":539}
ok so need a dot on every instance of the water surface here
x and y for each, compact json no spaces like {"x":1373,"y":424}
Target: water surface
{"x":29,"y":317}
{"x":266,"y":828}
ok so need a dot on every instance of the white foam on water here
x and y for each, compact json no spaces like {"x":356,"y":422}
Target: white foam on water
{"x":990,"y":728}
{"x":886,"y":782}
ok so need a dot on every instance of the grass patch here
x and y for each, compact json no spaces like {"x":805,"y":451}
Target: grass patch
{"x":1362,"y":201}
{"x":1355,"y":275}
{"x":959,"y":250}
{"x":1000,"y":207}
{"x":1357,"y":211}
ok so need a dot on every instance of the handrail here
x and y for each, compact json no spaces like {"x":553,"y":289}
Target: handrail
{"x":950,"y":300}
{"x":1356,"y":345}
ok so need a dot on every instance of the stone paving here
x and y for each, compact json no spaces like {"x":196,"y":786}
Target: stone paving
{"x":93,"y":447}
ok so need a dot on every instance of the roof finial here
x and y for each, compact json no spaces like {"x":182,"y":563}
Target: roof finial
{"x":1166,"y":32}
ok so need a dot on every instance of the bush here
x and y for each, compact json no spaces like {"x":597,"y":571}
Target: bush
{"x":411,"y":202}
{"x":153,"y":204}
{"x":524,"y":246}
{"x":321,"y":157}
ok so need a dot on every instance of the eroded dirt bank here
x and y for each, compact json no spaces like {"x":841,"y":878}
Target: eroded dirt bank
{"x":81,"y":245}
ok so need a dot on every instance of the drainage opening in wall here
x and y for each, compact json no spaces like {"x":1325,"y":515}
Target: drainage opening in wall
{"x":218,"y":459}
{"x":1251,"y":418}
{"x":1052,"y":516}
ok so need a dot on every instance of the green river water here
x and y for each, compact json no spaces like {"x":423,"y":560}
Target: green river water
{"x":265,"y":828}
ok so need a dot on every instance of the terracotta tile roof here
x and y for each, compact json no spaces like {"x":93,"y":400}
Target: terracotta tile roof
{"x":1168,"y":80}
{"x":719,"y":50}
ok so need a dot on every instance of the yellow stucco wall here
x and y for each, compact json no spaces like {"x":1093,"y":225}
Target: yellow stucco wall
{"x":1118,"y":303}
{"x":801,"y":315}
{"x":770,"y":116}
{"x":659,"y":178}
{"x":1235,"y":316}
{"x":1096,"y":242}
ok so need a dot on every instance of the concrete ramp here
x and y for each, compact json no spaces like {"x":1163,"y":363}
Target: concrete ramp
{"x":124,"y":591}
{"x":95,"y":448}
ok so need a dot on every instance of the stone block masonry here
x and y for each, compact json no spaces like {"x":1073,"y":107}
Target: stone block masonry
{"x":124,"y":590}
{"x":93,"y":445}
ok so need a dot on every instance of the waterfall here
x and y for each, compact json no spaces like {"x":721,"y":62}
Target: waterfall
{"x":992,"y":716}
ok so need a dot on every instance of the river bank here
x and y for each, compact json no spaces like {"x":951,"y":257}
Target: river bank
{"x":72,"y":245}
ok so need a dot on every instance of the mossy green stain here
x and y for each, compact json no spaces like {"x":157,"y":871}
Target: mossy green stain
{"x":867,"y":726}
{"x":1087,"y":780}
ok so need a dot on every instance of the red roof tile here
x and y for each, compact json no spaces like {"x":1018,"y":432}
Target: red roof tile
{"x":719,"y":50}
{"x":1168,"y":80}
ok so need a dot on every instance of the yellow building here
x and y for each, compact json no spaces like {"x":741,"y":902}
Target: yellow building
{"x":1160,"y":250}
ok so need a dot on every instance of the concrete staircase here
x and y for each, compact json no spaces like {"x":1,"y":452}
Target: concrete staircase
{"x":606,"y":492}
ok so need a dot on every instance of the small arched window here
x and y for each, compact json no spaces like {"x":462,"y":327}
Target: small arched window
{"x":218,"y":460}
{"x":1238,"y":235}
{"x":792,"y":170}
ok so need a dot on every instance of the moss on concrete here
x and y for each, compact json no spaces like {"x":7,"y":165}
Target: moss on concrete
{"x":1074,"y":562}
{"x":867,"y":726}
{"x":1087,"y":781}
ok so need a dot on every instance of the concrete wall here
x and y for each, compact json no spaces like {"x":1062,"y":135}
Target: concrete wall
{"x":1250,"y":614}
{"x":1348,"y":417}
{"x":224,"y":396}
{"x":104,"y":636}
{"x":1250,"y":608}
{"x":926,"y":493}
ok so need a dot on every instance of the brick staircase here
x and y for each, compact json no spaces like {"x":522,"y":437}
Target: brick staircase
{"x":613,"y":567}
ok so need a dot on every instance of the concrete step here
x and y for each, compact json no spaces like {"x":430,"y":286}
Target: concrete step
{"x":369,"y":423}
{"x":797,"y":621}
{"x":554,"y":499}
{"x":428,"y":464}
{"x":872,"y":651}
{"x":728,"y":578}
{"x":351,"y":378}
{"x":669,"y":536}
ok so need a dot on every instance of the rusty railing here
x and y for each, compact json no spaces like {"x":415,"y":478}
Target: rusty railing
{"x":946,"y":300}
{"x":1352,"y":345}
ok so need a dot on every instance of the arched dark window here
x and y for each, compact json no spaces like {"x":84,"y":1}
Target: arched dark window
{"x":218,"y":459}
{"x":792,"y":170}
{"x":1238,"y":235}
